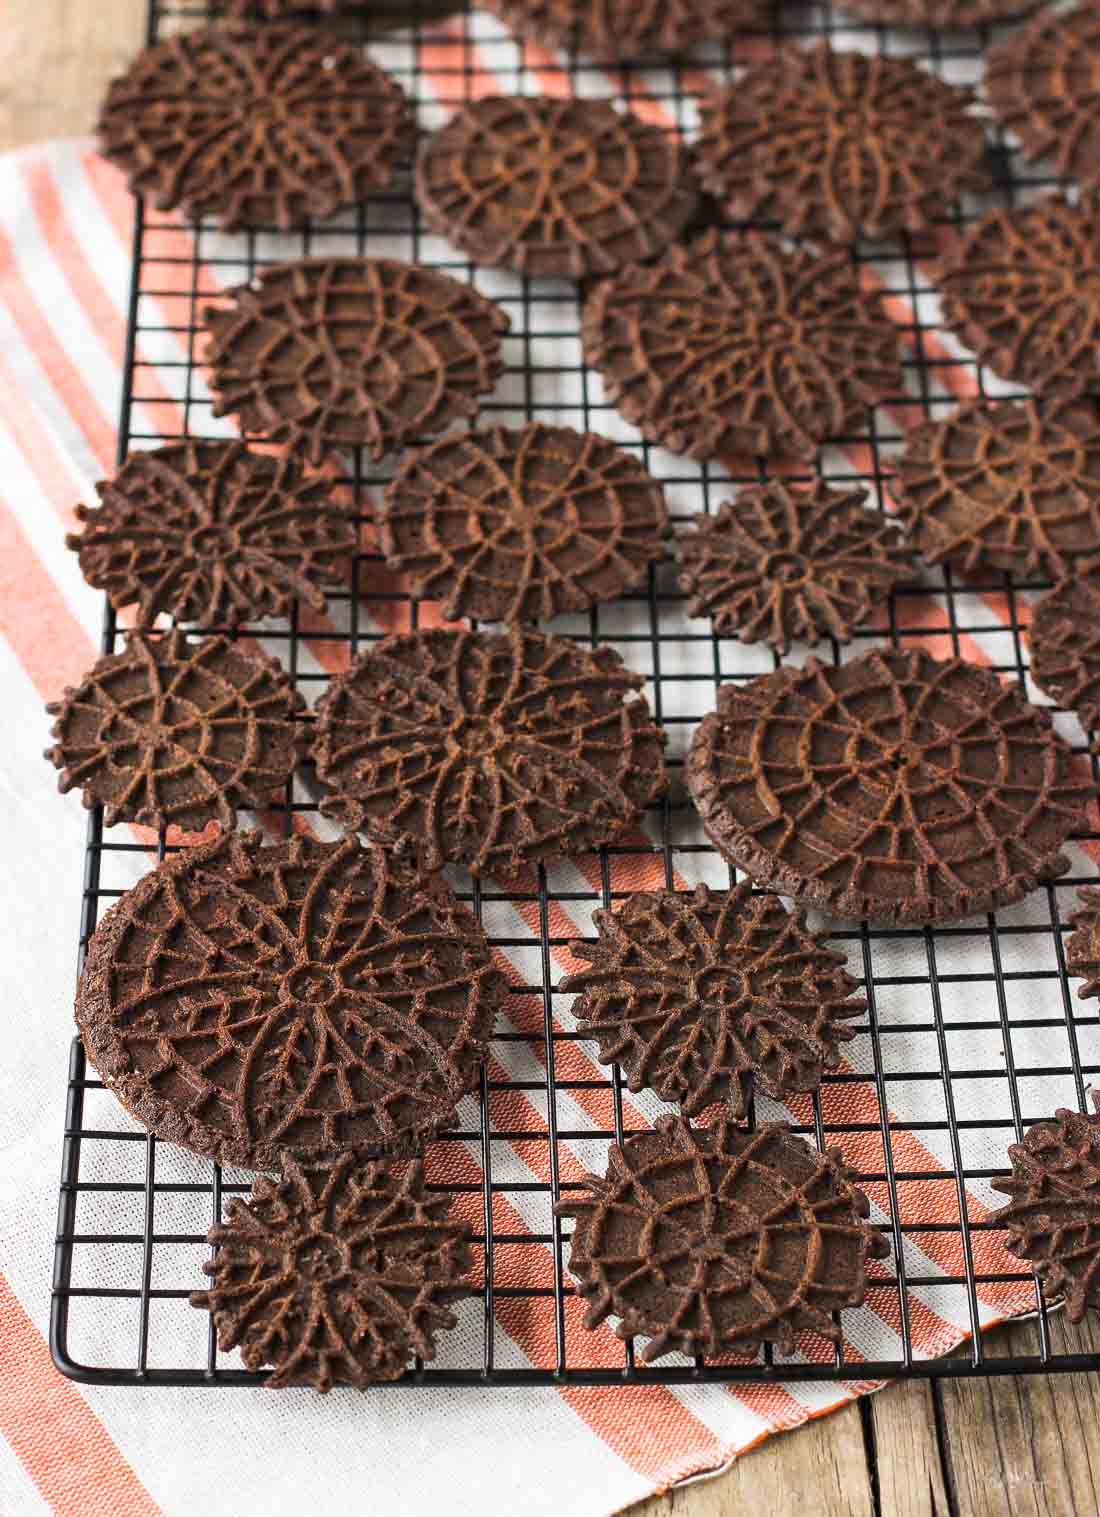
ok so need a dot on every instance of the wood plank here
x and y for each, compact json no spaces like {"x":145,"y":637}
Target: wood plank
{"x":1021,"y":1445}
{"x":907,"y":1456}
{"x":56,"y":57}
{"x":819,"y":1470}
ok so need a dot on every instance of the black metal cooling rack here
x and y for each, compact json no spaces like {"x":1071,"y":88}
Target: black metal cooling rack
{"x":133,"y":1212}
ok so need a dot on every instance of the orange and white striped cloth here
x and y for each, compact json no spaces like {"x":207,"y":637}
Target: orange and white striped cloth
{"x":65,"y":221}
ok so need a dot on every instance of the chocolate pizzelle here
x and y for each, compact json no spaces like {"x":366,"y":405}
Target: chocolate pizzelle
{"x":841,"y":145}
{"x":710,"y":996}
{"x":1006,"y":485}
{"x":612,"y":29}
{"x":1064,"y":639}
{"x":738,"y":346}
{"x":210,"y":532}
{"x":1053,"y":1218}
{"x":714,"y":1240}
{"x":1043,"y":85}
{"x":257,"y":125}
{"x":174,"y":732}
{"x":1083,"y":943}
{"x":352,"y":352}
{"x":782,"y":564}
{"x":304,"y":998}
{"x":522,"y":524}
{"x":487,"y":750}
{"x":1020,"y":289}
{"x":946,"y":15}
{"x":554,"y":186}
{"x":894,"y":787}
{"x":335,"y":1274}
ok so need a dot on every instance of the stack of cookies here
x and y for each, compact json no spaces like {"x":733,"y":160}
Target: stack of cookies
{"x":316,"y":1009}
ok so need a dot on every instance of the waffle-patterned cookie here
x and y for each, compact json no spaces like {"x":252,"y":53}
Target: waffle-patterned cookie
{"x":1053,"y":1218}
{"x":210,"y":532}
{"x":707,"y":997}
{"x":176,"y":732}
{"x":306,"y":998}
{"x":714,"y":1240}
{"x":895,"y":787}
{"x":335,"y":1274}
{"x":264,"y":125}
{"x":1020,"y":288}
{"x":487,"y":750}
{"x":841,"y":145}
{"x":738,"y":346}
{"x":516,"y":525}
{"x":352,"y":352}
{"x":783,"y":563}
{"x":554,"y":186}
{"x":1004,"y":485}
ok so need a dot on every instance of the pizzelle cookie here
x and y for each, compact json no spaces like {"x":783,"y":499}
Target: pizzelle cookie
{"x":739,"y":346}
{"x":210,"y":532}
{"x":554,"y":186}
{"x":783,"y":563}
{"x":175,"y":732}
{"x":714,"y":1240}
{"x":895,"y":787}
{"x":262,"y":125}
{"x":1043,"y":85}
{"x":306,"y":998}
{"x":1064,"y":639}
{"x":1006,"y":485}
{"x":1083,"y":943}
{"x":611,"y":29}
{"x":1020,"y":289}
{"x":711,"y":996}
{"x":352,"y":352}
{"x":335,"y":1274}
{"x":516,"y":525}
{"x":841,"y":145}
{"x":1053,"y":1218}
{"x":488,"y":750}
{"x":945,"y":15}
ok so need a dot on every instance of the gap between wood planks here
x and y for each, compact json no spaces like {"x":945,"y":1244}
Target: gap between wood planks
{"x":1007,"y":1447}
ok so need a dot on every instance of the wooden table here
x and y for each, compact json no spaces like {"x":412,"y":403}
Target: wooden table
{"x":1009,"y":1447}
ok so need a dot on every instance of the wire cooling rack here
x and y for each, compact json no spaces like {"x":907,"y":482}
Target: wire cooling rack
{"x":972,"y":1031}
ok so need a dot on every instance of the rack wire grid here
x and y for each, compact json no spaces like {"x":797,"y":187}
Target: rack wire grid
{"x":971,"y":1030}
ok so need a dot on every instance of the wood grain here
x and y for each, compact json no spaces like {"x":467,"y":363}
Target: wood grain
{"x":820,"y":1470}
{"x":1021,"y":1446}
{"x":1014,"y":1447}
{"x":907,"y":1455}
{"x":56,"y":57}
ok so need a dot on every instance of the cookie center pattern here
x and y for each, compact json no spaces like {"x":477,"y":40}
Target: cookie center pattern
{"x":320,"y":1259}
{"x":788,"y":568}
{"x":310,"y":983}
{"x":213,"y":541}
{"x":720,"y":986}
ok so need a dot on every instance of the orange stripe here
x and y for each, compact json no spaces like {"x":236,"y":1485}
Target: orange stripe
{"x":38,"y":446}
{"x":47,"y":639}
{"x":87,"y":289}
{"x":62,"y":372}
{"x":64,"y":1447}
{"x":647,"y":1428}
